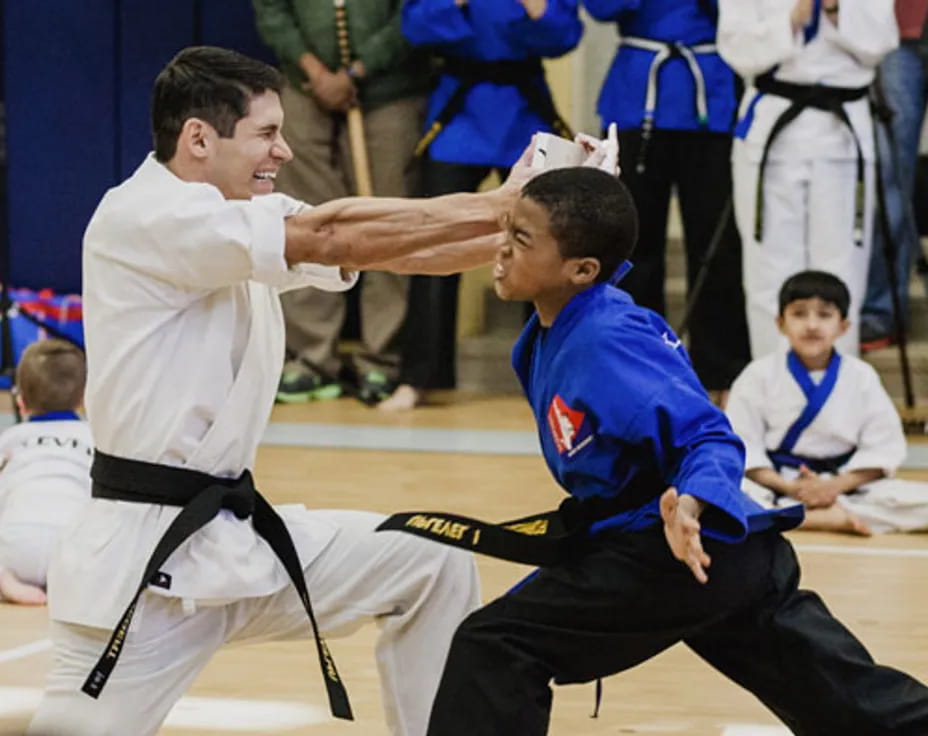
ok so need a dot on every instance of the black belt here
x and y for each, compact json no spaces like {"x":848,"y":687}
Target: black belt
{"x":522,"y":74}
{"x":544,"y":539}
{"x":202,"y":496}
{"x":821,"y":97}
{"x":816,"y":464}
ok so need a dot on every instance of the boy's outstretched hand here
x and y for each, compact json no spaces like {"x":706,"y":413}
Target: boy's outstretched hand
{"x":681,"y":527}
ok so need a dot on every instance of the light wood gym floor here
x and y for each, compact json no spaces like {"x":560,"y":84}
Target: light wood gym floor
{"x":878,"y":587}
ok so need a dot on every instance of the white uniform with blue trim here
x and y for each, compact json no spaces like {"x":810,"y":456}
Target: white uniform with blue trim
{"x":44,"y":485}
{"x":810,"y":177}
{"x":857,"y":417}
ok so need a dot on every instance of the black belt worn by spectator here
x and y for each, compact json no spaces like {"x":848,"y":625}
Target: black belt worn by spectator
{"x":821,"y":97}
{"x":202,"y":496}
{"x":544,"y":539}
{"x":527,"y":75}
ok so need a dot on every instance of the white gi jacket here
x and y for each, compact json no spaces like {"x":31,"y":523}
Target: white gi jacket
{"x":754,"y":36}
{"x":44,"y":480}
{"x":765,"y":400}
{"x":185,"y":342}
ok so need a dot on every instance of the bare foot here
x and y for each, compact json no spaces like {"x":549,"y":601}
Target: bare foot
{"x":12,"y":589}
{"x":835,"y":518}
{"x":405,"y":397}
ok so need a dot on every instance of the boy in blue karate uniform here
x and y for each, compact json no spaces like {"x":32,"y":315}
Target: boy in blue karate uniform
{"x":625,"y":426}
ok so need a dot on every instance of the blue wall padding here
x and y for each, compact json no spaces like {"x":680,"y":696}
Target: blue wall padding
{"x":78,"y":82}
{"x":60,"y":92}
{"x":149,"y":34}
{"x":232,"y":24}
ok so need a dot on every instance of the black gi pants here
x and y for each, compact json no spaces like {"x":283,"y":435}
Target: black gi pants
{"x":698,"y":164}
{"x":429,"y":334}
{"x":626,"y":599}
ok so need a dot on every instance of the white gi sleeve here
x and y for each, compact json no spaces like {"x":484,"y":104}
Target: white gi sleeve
{"x":745,"y":411}
{"x":188,"y":235}
{"x":881,"y":443}
{"x":328,"y":278}
{"x":866,"y":29}
{"x":753,"y":39}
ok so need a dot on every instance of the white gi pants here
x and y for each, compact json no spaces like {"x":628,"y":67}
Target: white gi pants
{"x":25,"y":550}
{"x":417,"y":592}
{"x":808,"y":224}
{"x":887,"y":505}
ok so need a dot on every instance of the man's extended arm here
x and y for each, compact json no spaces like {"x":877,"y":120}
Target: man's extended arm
{"x":443,"y":260}
{"x":360,"y":232}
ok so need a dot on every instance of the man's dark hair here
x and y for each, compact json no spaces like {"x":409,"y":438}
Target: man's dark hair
{"x":590,"y":214}
{"x":810,"y":284}
{"x":206,"y":82}
{"x":50,"y":376}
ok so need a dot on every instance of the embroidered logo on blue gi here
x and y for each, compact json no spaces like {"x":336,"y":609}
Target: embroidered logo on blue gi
{"x":569,"y":428}
{"x":671,"y":341}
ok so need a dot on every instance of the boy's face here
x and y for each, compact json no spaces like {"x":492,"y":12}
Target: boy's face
{"x":246,"y":164}
{"x":529,"y":266}
{"x":812,"y":326}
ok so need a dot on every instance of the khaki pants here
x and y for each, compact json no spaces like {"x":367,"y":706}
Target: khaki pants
{"x":321,"y":170}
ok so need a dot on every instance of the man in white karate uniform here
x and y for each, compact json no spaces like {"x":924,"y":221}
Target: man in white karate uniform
{"x":183,"y":264}
{"x":802,"y":158}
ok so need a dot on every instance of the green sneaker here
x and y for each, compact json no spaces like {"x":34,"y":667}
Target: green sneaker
{"x":298,"y":387}
{"x":374,"y":387}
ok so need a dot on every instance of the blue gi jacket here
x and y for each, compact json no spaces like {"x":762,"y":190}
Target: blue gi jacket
{"x":496,"y":122}
{"x":622,"y":99}
{"x":614,"y":394}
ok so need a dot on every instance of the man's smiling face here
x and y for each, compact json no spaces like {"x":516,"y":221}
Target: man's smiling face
{"x":247,"y":163}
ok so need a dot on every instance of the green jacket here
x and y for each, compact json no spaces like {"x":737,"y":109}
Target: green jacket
{"x":393,"y":69}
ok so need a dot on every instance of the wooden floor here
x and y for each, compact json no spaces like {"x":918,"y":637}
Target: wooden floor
{"x":879,"y":588}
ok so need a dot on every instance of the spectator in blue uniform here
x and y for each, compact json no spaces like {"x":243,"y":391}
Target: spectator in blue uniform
{"x":674,"y":101}
{"x":655,"y":471}
{"x":491,"y":96}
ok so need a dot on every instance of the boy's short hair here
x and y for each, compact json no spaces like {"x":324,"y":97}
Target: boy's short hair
{"x":810,"y":284}
{"x":51,"y":376}
{"x":210,"y":83}
{"x":590,"y":214}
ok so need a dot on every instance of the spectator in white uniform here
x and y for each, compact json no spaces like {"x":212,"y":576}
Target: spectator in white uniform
{"x":45,"y":471}
{"x":818,"y":426}
{"x":803,"y":159}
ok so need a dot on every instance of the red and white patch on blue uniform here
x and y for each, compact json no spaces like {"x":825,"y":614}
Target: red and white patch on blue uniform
{"x":569,"y":427}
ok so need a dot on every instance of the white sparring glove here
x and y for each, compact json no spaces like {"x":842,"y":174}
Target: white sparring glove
{"x":603,"y":154}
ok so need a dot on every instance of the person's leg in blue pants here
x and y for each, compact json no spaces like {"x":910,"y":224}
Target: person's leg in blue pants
{"x":904,"y":78}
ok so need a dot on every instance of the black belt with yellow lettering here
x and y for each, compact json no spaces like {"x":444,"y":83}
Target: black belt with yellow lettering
{"x":820,"y":97}
{"x":202,"y":496}
{"x":527,"y":75}
{"x":546,"y":539}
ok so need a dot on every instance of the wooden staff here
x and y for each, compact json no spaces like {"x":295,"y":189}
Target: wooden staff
{"x":362,"y":168}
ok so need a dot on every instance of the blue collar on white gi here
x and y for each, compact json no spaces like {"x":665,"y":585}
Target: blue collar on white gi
{"x":54,"y":416}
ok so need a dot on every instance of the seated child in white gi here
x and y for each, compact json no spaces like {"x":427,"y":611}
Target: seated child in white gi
{"x":818,"y":426}
{"x":45,"y":471}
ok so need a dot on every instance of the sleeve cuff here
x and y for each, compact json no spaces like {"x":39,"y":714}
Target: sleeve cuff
{"x":327,"y":278}
{"x":266,"y":217}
